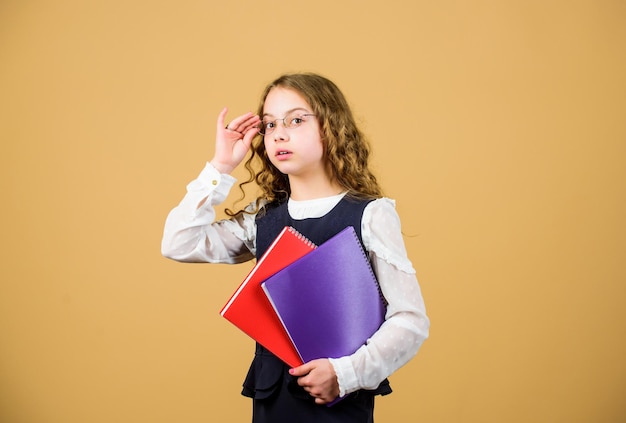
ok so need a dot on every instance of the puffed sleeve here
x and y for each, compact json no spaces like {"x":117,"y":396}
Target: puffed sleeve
{"x":406,"y":324}
{"x":191,"y":233}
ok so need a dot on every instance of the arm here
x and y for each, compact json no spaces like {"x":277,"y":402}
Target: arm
{"x":406,"y":325}
{"x":191,"y":233}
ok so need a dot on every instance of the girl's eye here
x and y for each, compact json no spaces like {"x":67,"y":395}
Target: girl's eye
{"x":295,"y":121}
{"x":269,"y":125}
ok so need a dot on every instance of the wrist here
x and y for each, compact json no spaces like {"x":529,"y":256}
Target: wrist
{"x":221,"y":167}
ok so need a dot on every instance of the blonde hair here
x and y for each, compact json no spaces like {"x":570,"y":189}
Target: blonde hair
{"x":347,"y":151}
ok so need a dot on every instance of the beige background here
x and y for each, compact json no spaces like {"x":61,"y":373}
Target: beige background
{"x":498,"y":126}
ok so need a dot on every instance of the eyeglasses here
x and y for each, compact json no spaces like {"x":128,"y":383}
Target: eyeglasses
{"x":292,"y":120}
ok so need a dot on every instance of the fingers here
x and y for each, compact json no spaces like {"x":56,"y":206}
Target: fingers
{"x":248,"y":137}
{"x":243,"y":123}
{"x":301,"y":370}
{"x":319,"y":396}
{"x":232,"y":144}
{"x":318,"y":379}
{"x":221,"y":117}
{"x":244,"y":126}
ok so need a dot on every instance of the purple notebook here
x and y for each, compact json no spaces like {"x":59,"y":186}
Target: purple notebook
{"x":329,"y":300}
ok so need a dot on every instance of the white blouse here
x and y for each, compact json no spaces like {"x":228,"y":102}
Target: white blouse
{"x":191,"y":234}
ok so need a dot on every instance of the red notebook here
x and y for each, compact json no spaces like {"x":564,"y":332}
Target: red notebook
{"x":329,"y":301}
{"x":250,"y":310}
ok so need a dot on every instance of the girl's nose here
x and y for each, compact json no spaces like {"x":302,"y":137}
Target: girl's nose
{"x":280,"y":133}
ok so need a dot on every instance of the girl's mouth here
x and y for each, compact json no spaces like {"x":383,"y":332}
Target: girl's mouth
{"x":283,"y":154}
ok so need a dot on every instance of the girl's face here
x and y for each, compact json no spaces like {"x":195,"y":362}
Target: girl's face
{"x":292,"y":135}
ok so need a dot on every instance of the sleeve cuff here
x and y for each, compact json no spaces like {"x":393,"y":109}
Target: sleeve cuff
{"x":346,"y":376}
{"x":211,"y":181}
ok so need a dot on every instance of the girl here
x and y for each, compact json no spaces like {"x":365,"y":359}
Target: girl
{"x":313,"y":176}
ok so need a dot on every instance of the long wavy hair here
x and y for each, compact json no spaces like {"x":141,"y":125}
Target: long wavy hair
{"x":346,"y":149}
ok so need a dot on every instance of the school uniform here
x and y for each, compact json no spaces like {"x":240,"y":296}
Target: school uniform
{"x":192,"y":234}
{"x":276,"y":395}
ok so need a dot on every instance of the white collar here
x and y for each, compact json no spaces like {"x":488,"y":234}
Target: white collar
{"x":318,"y":207}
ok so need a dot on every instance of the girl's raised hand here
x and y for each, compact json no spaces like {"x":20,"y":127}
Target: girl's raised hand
{"x":232,"y":141}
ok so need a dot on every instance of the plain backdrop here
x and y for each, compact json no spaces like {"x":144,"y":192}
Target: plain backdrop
{"x":498,"y":127}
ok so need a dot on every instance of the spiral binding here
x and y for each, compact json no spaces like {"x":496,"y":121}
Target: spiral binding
{"x":369,"y":266}
{"x":304,"y":239}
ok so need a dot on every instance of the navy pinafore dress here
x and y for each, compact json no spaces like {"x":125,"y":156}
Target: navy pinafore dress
{"x":277,"y":397}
